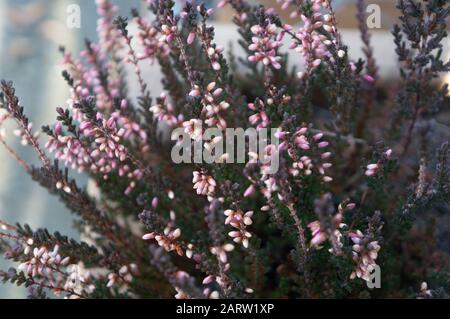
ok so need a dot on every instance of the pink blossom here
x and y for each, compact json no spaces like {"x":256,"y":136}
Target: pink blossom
{"x":265,"y":44}
{"x":204,"y":184}
{"x":365,"y":254}
{"x":239,"y":220}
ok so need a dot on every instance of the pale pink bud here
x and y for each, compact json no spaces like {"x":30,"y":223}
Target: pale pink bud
{"x":148,"y":236}
{"x":155,"y":202}
{"x":216,"y":66}
{"x":208,"y":280}
{"x":322,"y":144}
{"x":191,"y":38}
{"x":318,"y":136}
{"x":221,"y":4}
{"x":369,"y":78}
{"x":249,"y":191}
{"x":317,"y":62}
{"x":388,"y":153}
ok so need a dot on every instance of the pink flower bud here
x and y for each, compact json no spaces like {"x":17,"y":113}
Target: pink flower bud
{"x":155,"y":202}
{"x":208,"y":280}
{"x":191,"y":38}
{"x":369,"y":78}
{"x":249,"y":191}
{"x":148,"y":236}
{"x":221,"y":4}
{"x":216,"y":66}
{"x":388,"y":153}
{"x":317,"y":62}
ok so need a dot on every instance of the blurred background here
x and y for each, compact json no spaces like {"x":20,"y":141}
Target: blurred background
{"x":30,"y":33}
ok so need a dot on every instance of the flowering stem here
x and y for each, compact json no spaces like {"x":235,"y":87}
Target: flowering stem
{"x":122,"y":25}
{"x":17,"y":112}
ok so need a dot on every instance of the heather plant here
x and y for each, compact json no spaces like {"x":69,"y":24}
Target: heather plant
{"x":363,"y":164}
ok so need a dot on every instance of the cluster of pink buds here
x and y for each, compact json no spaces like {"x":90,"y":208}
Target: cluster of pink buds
{"x":214,"y":56}
{"x":309,"y":39}
{"x":266,"y":41}
{"x":80,"y":87}
{"x":264,"y":163}
{"x":69,"y":150}
{"x":106,"y":153}
{"x":239,"y":220}
{"x":204,"y":184}
{"x":208,"y":280}
{"x":124,"y":276}
{"x":48,"y":268}
{"x":194,"y":128}
{"x":168,"y":33}
{"x":365,"y":254}
{"x":130,"y":130}
{"x":221,"y":252}
{"x":108,"y":33}
{"x":42,"y":261}
{"x":183,"y":276}
{"x":271,"y":186}
{"x":149,"y":38}
{"x":182,"y":295}
{"x":87,"y":79}
{"x":374,"y":168}
{"x":91,"y":77}
{"x":207,"y":292}
{"x":164,"y":111}
{"x":317,"y":6}
{"x":107,"y":137}
{"x":213,"y":52}
{"x":300,"y":142}
{"x":260,"y":118}
{"x":167,"y":240}
{"x":212,"y":103}
{"x":319,"y":234}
